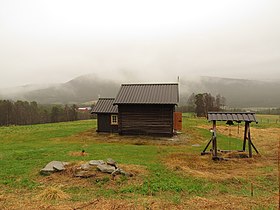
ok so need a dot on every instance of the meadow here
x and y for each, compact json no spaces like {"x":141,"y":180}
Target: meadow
{"x":168,"y":173}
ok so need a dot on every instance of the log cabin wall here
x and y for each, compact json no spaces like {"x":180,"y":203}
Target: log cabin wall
{"x":146,"y":119}
{"x":104,"y":124}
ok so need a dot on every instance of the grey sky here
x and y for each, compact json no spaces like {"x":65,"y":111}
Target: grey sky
{"x":57,"y":40}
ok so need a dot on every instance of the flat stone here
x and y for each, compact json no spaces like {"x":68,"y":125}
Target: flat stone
{"x":54,"y":166}
{"x":106,"y":168}
{"x":85,"y":166}
{"x":111,"y":162}
{"x":125,"y":173}
{"x":96,"y":162}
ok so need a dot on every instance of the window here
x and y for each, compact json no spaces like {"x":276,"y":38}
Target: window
{"x":114,"y":119}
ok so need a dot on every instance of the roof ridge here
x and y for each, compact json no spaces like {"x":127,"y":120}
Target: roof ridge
{"x":106,"y":98}
{"x":140,"y":84}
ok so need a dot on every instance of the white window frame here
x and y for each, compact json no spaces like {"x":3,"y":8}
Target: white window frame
{"x":114,"y":119}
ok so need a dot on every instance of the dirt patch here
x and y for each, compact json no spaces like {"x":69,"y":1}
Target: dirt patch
{"x":77,"y":154}
{"x":51,"y":193}
{"x":92,"y":136}
{"x":230,"y":202}
{"x":204,"y":167}
{"x":144,"y":203}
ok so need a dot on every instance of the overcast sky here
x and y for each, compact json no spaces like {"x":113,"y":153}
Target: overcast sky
{"x":56,"y":40}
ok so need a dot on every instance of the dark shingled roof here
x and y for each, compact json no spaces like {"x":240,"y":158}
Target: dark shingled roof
{"x":233,"y":116}
{"x":148,"y":94}
{"x":105,"y":105}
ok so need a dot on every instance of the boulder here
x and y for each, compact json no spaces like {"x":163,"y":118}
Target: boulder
{"x":125,"y":173}
{"x":106,"y":168}
{"x":85,"y":166}
{"x":121,"y":171}
{"x":111,"y":162}
{"x":54,"y":166}
{"x":96,"y":162}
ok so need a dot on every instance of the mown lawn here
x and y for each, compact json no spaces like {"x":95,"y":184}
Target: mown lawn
{"x":169,"y":173}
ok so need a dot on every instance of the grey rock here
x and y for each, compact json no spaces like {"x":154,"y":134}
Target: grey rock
{"x":106,"y":168}
{"x":121,"y":171}
{"x":96,"y":162}
{"x":111,"y":162}
{"x":85,"y":166}
{"x":125,"y":173}
{"x":116,"y":171}
{"x":54,"y":166}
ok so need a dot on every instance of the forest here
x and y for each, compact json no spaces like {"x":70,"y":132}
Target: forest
{"x":28,"y":113}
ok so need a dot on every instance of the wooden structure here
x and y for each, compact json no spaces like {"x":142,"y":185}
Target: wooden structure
{"x":178,"y":121}
{"x":107,"y":115}
{"x":147,"y":109}
{"x":231,"y":117}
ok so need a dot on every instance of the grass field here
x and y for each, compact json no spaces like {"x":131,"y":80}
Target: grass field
{"x":167,"y":173}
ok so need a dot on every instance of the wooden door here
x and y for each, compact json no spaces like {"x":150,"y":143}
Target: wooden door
{"x":177,"y":121}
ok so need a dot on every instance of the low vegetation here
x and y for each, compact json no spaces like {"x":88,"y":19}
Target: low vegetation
{"x":167,"y":173}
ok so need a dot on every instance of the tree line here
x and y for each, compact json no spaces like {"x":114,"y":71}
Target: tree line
{"x":202,"y":103}
{"x":27,"y":113}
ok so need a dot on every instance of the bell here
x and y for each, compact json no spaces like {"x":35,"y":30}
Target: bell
{"x":229,"y":122}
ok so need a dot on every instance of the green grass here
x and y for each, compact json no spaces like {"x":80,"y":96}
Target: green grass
{"x":26,"y":149}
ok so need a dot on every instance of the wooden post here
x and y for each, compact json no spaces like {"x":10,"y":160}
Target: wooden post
{"x":214,"y":150}
{"x":204,"y":151}
{"x":249,"y":142}
{"x":245,"y":135}
{"x":254,"y":147}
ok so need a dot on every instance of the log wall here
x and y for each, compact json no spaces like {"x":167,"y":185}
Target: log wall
{"x":146,"y":119}
{"x":104,"y":124}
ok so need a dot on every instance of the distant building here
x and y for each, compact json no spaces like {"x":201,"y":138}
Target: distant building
{"x":84,"y":109}
{"x":107,"y":115}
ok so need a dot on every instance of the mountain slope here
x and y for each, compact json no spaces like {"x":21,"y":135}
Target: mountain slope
{"x":238,"y":92}
{"x":81,"y":89}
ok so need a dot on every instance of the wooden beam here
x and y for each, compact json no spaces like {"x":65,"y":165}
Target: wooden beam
{"x":254,"y":147}
{"x":249,"y":142}
{"x":245,"y":135}
{"x":203,"y":152}
{"x":215,"y":149}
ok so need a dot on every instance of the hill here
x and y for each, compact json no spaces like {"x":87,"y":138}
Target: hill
{"x":79,"y":90}
{"x":238,"y":92}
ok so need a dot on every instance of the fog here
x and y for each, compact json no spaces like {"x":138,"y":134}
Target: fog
{"x":46,"y":42}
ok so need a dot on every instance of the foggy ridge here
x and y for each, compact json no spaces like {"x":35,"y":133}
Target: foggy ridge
{"x":238,"y":92}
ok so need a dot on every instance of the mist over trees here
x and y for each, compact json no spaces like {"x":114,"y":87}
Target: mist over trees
{"x":28,"y":113}
{"x":201,"y":103}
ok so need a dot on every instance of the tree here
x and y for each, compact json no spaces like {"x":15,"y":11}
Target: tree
{"x":55,"y":114}
{"x":191,"y":103}
{"x":200,"y":105}
{"x":205,"y":102}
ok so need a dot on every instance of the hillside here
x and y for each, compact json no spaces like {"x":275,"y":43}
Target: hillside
{"x":81,"y":89}
{"x":238,"y":92}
